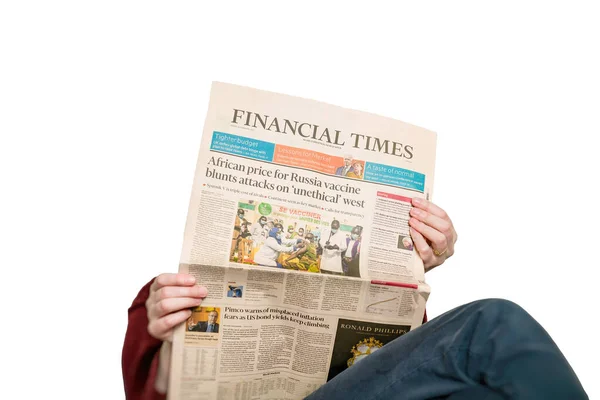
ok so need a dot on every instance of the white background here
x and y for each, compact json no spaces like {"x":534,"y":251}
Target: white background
{"x":102,"y":105}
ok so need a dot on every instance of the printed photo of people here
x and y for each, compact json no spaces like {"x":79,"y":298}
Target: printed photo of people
{"x":355,"y":340}
{"x":235,"y":291}
{"x":204,"y":319}
{"x":275,"y":236}
{"x":405,"y":243}
{"x":282,"y":237}
{"x":241,"y":240}
{"x":339,"y":247}
{"x":352,"y":168}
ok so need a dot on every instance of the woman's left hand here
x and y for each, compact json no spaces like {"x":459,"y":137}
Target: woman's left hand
{"x":432,"y":232}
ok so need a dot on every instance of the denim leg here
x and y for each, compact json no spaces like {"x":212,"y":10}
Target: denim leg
{"x":489,"y":347}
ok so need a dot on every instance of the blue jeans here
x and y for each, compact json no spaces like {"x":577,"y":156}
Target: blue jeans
{"x":488,"y":349}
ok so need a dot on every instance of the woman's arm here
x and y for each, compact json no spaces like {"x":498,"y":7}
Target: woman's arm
{"x":140,"y":359}
{"x":160,"y":306}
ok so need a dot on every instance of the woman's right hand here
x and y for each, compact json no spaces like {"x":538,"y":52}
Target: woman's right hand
{"x":171,"y":298}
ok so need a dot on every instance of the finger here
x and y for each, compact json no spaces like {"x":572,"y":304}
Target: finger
{"x":437,"y":238}
{"x":167,"y":306}
{"x":441,"y":225}
{"x":433,"y":209}
{"x":430,"y":207}
{"x":172,"y":280}
{"x":162,"y":328}
{"x":422,"y":247}
{"x":180,"y":291}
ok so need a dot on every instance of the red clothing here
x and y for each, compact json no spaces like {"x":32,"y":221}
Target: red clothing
{"x":140,"y":353}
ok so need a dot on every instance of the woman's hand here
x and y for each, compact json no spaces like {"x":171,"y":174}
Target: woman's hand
{"x":171,"y":298}
{"x":432,"y":232}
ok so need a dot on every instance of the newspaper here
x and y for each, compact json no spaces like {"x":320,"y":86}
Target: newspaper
{"x":298,"y":227}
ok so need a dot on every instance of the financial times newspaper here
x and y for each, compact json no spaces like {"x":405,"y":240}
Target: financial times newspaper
{"x":298,"y":227}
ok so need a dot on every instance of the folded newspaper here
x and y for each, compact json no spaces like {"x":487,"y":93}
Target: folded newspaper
{"x":298,"y":227}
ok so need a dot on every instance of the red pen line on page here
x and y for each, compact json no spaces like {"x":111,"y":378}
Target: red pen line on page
{"x":397,"y":284}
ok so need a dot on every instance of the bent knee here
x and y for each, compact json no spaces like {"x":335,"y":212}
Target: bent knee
{"x":500,"y":308}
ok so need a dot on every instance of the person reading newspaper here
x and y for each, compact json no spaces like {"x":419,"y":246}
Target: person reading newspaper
{"x":487,"y":349}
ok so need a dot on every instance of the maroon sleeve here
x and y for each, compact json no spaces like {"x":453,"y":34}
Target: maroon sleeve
{"x":140,"y":352}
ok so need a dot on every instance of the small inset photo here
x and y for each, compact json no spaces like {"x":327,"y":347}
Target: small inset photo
{"x":405,"y":243}
{"x":204,"y":319}
{"x":235,"y":291}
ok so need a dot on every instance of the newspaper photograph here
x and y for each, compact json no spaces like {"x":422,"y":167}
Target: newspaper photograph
{"x":298,"y":228}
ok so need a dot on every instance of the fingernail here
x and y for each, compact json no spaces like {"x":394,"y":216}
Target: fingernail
{"x":417,"y":201}
{"x":190,"y":280}
{"x":203,"y":291}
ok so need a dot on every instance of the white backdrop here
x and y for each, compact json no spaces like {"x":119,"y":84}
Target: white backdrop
{"x":102,"y":106}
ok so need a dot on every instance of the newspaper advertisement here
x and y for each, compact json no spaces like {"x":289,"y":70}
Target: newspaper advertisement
{"x":298,"y":227}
